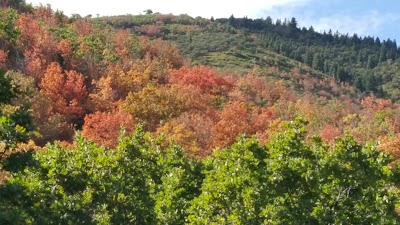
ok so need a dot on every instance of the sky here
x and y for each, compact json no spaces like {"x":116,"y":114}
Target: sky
{"x":378,"y":18}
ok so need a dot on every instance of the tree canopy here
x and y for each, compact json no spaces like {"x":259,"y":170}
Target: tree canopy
{"x":289,"y":180}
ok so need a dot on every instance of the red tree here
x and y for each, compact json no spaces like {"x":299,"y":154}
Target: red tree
{"x":65,"y":90}
{"x":238,"y":118}
{"x":104,"y":128}
{"x":202,"y":77}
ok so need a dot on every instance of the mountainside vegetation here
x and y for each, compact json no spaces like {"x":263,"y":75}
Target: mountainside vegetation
{"x":164,"y":119}
{"x":365,"y":62}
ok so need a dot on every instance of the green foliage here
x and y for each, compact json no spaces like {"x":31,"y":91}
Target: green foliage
{"x":7,"y":90}
{"x":66,"y":33}
{"x":297,"y":182}
{"x":180,"y":183}
{"x":131,"y":184}
{"x":293,"y":168}
{"x":10,"y":134}
{"x":292,"y":180}
{"x":96,"y":44}
{"x":15,"y":120}
{"x":143,"y":19}
{"x":8,"y":30}
{"x":348,"y":184}
{"x":89,"y":185}
{"x":356,"y":186}
{"x":232,"y":187}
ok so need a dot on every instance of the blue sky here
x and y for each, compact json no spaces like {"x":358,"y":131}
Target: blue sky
{"x":364,"y":17}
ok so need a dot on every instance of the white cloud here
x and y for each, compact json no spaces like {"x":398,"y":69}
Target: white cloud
{"x":287,"y":9}
{"x":363,"y":24}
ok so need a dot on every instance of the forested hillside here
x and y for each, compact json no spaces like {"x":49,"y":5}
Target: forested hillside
{"x":163,"y":119}
{"x":366,"y":62}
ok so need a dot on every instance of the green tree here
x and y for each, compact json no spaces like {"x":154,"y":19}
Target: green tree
{"x":233,"y":188}
{"x":297,"y":181}
{"x":308,"y":58}
{"x":232,"y":21}
{"x":309,"y":184}
{"x":293,"y":23}
{"x":8,"y":31}
{"x":291,"y":180}
{"x":15,"y":121}
{"x":87,"y":185}
{"x":8,"y":91}
{"x":138,"y":182}
{"x":317,"y":62}
{"x":181,"y":180}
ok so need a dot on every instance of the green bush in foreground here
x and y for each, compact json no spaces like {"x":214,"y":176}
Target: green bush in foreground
{"x":289,"y":181}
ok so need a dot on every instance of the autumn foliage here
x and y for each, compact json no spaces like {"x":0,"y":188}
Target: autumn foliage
{"x":202,"y":77}
{"x":97,"y":79}
{"x":105,"y":128}
{"x":66,"y":91}
{"x":237,"y":118}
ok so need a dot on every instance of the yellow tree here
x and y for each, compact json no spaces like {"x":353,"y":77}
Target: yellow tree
{"x":154,"y":105}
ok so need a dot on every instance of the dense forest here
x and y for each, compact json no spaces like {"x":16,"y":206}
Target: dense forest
{"x":164,"y":119}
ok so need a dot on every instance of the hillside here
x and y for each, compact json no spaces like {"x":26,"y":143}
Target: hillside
{"x":163,"y":119}
{"x":241,"y":43}
{"x":91,"y":73}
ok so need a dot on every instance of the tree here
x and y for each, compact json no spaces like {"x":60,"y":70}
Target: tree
{"x":181,"y":134}
{"x":15,"y":120}
{"x":104,"y":128}
{"x":8,"y":91}
{"x":234,"y":120}
{"x":148,"y":11}
{"x":66,"y":91}
{"x":142,"y":181}
{"x":135,"y":183}
{"x":293,"y":23}
{"x":8,"y":31}
{"x":308,"y":58}
{"x":232,"y":21}
{"x":50,"y":125}
{"x":202,"y":77}
{"x":233,"y":185}
{"x":294,"y":180}
{"x":329,"y":133}
{"x":191,"y":130}
{"x":238,"y":118}
{"x":154,"y":105}
{"x":16,"y":4}
{"x":10,"y":135}
{"x":160,"y":50}
{"x":114,"y":87}
{"x":181,"y":179}
{"x":37,"y":44}
{"x":317,"y":62}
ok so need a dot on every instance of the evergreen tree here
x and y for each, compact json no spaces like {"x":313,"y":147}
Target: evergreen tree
{"x":293,"y":23}
{"x":317,"y":62}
